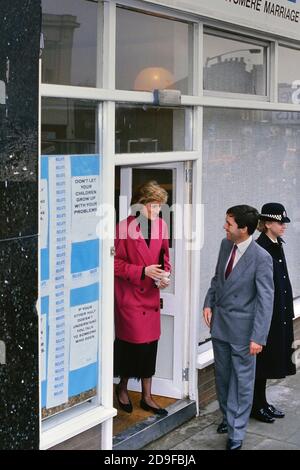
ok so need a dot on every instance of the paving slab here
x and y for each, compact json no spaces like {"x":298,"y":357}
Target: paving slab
{"x":284,"y":434}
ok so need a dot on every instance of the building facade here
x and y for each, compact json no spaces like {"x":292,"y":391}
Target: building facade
{"x":225,"y":131}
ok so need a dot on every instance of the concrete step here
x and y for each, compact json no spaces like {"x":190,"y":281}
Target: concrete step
{"x":154,"y":427}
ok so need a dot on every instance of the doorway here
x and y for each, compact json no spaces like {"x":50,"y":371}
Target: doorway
{"x":168,"y":385}
{"x":168,"y":378}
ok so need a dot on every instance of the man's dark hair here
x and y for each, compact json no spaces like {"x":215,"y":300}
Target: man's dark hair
{"x":245,"y":216}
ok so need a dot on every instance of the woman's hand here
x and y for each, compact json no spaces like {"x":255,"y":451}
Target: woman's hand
{"x":163,"y":283}
{"x":154,"y":271}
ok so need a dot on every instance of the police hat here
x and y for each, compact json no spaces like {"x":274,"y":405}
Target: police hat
{"x":274,"y":211}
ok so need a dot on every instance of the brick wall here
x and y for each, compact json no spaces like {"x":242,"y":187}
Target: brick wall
{"x":206,"y":390}
{"x":206,"y":378}
{"x":88,"y":440}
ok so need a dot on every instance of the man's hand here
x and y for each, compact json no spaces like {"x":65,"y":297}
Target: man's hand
{"x":255,"y":348}
{"x":207,"y":314}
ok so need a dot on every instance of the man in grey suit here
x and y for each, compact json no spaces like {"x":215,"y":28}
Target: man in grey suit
{"x":238,"y":308}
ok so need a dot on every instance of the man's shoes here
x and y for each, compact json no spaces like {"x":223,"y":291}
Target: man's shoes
{"x":222,"y":428}
{"x":123,"y":406}
{"x":274,"y":412}
{"x":157,"y":411}
{"x":262,"y":415}
{"x":234,"y":445}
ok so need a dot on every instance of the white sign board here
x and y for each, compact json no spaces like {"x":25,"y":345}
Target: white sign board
{"x":280,"y":17}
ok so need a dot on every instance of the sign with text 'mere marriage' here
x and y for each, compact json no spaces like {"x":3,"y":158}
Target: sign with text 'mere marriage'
{"x":279,"y":17}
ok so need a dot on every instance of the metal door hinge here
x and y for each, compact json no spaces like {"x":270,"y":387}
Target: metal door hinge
{"x":112,"y":251}
{"x":185,"y":374}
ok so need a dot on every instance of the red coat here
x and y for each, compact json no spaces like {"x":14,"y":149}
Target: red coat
{"x":137,"y":301}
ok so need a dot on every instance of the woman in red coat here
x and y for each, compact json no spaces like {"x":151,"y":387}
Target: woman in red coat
{"x":141,"y":269}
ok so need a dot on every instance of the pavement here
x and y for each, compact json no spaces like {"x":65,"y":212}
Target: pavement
{"x":284,"y":434}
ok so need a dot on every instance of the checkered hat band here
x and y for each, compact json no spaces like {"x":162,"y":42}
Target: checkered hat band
{"x":272,"y":216}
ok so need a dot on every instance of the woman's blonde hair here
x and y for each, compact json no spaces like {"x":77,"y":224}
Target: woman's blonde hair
{"x":262,"y":226}
{"x":150,"y":191}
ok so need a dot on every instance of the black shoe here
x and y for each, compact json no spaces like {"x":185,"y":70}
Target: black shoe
{"x":274,"y":412}
{"x":123,"y":406}
{"x":222,"y":428}
{"x":157,"y":411}
{"x":234,"y":445}
{"x":262,"y":415}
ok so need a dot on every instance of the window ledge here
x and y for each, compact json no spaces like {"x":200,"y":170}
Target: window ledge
{"x":297,"y":307}
{"x":205,"y":359}
{"x":62,"y":427}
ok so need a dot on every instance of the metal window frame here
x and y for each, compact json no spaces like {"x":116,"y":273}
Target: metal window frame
{"x":228,"y":34}
{"x":82,"y":93}
{"x":156,"y":9}
{"x":233,"y":35}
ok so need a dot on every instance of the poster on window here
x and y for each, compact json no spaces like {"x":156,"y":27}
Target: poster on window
{"x":69,"y":279}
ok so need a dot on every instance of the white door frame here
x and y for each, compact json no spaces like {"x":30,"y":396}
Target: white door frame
{"x":162,"y":386}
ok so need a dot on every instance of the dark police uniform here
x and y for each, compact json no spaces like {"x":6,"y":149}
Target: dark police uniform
{"x":275,"y":360}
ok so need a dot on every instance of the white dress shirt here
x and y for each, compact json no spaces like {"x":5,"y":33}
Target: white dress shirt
{"x":241,"y":248}
{"x":272,"y":240}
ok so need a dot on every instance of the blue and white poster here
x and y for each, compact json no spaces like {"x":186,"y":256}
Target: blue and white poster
{"x":70,"y":276}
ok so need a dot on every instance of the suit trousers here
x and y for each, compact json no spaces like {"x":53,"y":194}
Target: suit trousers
{"x":235,"y":375}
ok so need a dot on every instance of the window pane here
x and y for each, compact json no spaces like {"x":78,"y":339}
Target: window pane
{"x":70,"y":253}
{"x":152,"y":52}
{"x":249,"y":157}
{"x":68,"y":126}
{"x":234,"y":66}
{"x":150,"y":129}
{"x":70,"y":40}
{"x":288,"y":72}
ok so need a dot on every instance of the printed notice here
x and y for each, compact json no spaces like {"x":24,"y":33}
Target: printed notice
{"x":58,"y":351}
{"x":84,"y":207}
{"x":84,"y":335}
{"x":70,"y":277}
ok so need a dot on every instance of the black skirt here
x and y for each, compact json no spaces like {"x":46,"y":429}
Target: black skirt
{"x":134,"y":360}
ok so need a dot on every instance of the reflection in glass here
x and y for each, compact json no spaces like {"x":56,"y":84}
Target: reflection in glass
{"x":288,"y":72}
{"x":150,"y":129}
{"x":253,"y":157}
{"x":68,"y":126}
{"x":70,"y":40}
{"x":152,"y":52}
{"x":234,"y":66}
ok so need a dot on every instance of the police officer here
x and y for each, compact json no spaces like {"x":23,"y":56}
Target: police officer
{"x":275,"y":360}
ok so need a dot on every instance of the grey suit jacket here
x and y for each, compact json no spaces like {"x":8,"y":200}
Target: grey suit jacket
{"x":242,"y":304}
